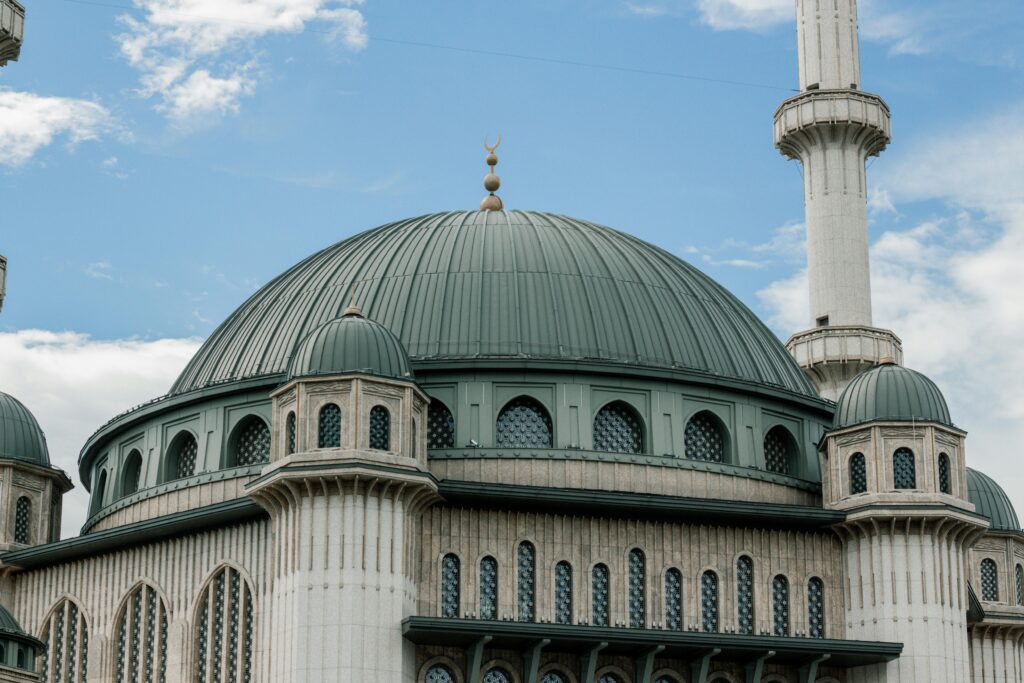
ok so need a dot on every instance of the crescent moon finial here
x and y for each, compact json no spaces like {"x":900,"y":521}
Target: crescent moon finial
{"x":492,"y":182}
{"x":491,"y":148}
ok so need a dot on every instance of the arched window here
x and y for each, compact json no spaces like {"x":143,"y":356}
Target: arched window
{"x":249,"y":443}
{"x":617,"y":428}
{"x":524,"y":423}
{"x":989,"y":581}
{"x":181,"y":457}
{"x":290,"y":429}
{"x":904,"y":471}
{"x":945,"y":485}
{"x":599,"y":580}
{"x":709,"y":602}
{"x":553,"y":677}
{"x":637,"y":589}
{"x":780,"y":606}
{"x":380,"y":428}
{"x":224,"y":628}
{"x":497,"y":675}
{"x":858,"y":474}
{"x":439,"y":674}
{"x":141,"y":629}
{"x":1020,"y":585}
{"x":666,"y":679}
{"x":450,"y":586}
{"x":704,"y":438}
{"x":674,"y":600}
{"x":22,"y":520}
{"x":132,"y":473}
{"x":745,"y":595}
{"x":816,"y":608}
{"x":96,"y":504}
{"x":563,"y":593}
{"x":65,"y":639}
{"x":488,"y":588}
{"x":609,"y":678}
{"x":526,"y":588}
{"x":329,"y":427}
{"x":22,"y":658}
{"x":440,"y":426}
{"x":780,"y":451}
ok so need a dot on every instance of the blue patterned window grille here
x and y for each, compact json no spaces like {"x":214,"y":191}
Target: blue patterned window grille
{"x":141,"y":638}
{"x":944,"y":478}
{"x":329,"y":427}
{"x":745,"y":595}
{"x":439,"y":674}
{"x":816,"y":608}
{"x":989,"y":581}
{"x":904,"y":470}
{"x":66,"y":646}
{"x":674,"y":600}
{"x":665,"y":679}
{"x":609,"y":678}
{"x":380,"y":428}
{"x":1020,"y":585}
{"x":526,"y":587}
{"x":599,"y":593}
{"x":524,"y":423}
{"x":488,"y":588}
{"x":637,"y":589}
{"x":709,"y":602}
{"x":132,"y":472}
{"x":450,"y":586}
{"x":252,"y":444}
{"x":858,"y":474}
{"x":563,"y":593}
{"x":225,"y":613}
{"x":497,"y":675}
{"x":617,"y":428}
{"x":440,"y":426}
{"x":182,"y":460}
{"x":22,"y":520}
{"x":780,"y":606}
{"x":291,"y":432}
{"x":553,"y":677}
{"x":703,"y":438}
{"x":779,"y":450}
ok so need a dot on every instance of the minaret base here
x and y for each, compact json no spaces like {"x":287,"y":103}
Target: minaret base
{"x":832,"y":356}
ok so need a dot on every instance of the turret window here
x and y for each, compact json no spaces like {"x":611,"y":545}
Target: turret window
{"x":904,"y":470}
{"x":380,"y":428}
{"x":250,"y":444}
{"x":989,"y":581}
{"x":944,"y":478}
{"x":439,"y":674}
{"x":709,"y":602}
{"x":65,"y":639}
{"x":858,"y":474}
{"x":290,"y":432}
{"x":488,"y":588}
{"x":329,"y":427}
{"x":745,"y":595}
{"x":524,"y":423}
{"x":780,"y":606}
{"x":450,"y":586}
{"x":816,"y":608}
{"x":225,"y":625}
{"x":704,"y":438}
{"x":132,"y":473}
{"x":1020,"y":584}
{"x":617,"y":428}
{"x":599,"y":593}
{"x":22,"y":520}
{"x":674,"y":600}
{"x":527,"y":581}
{"x":563,"y":593}
{"x":440,"y":426}
{"x":779,"y":451}
{"x":181,"y":457}
{"x":96,"y":504}
{"x":141,"y":630}
{"x":637,"y":586}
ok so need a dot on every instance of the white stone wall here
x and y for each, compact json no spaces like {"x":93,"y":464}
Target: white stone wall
{"x":827,"y":43}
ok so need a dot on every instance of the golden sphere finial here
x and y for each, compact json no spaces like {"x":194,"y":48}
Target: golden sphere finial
{"x":491,"y":181}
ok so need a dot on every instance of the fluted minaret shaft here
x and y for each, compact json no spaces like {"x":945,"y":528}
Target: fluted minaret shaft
{"x":827,"y":44}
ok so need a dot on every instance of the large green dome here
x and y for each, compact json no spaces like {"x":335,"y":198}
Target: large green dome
{"x":891,"y":392}
{"x":20,"y":435}
{"x":517,"y":285}
{"x":990,"y":500}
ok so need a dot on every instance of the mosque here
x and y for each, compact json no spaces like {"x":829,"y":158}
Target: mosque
{"x":505,"y":446}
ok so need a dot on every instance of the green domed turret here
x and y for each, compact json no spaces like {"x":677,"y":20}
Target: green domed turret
{"x":17,"y":648}
{"x":991,"y":501}
{"x":894,"y":393}
{"x":20,"y":435}
{"x":351,"y":344}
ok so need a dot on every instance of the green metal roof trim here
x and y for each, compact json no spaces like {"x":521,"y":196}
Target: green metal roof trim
{"x":991,"y":501}
{"x":20,"y":435}
{"x":504,"y":284}
{"x":350,"y":344}
{"x":891,"y":392}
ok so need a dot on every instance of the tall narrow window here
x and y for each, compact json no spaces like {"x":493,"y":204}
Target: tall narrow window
{"x":132,"y":473}
{"x":599,"y":580}
{"x":989,"y":581}
{"x":780,"y":606}
{"x":141,"y":629}
{"x":816,"y":608}
{"x":329,"y":427}
{"x":709,"y":602}
{"x":526,"y":588}
{"x":674,"y":600}
{"x":1020,"y":584}
{"x":524,"y":423}
{"x":22,"y":520}
{"x":439,"y":674}
{"x":858,"y":474}
{"x":497,"y":675}
{"x":440,"y":426}
{"x":904,"y":470}
{"x":380,"y":428}
{"x":704,"y":438}
{"x":488,"y":588}
{"x":223,"y":635}
{"x":450,"y":586}
{"x":65,"y":645}
{"x":745,"y":595}
{"x":290,"y":429}
{"x":96,"y":503}
{"x":944,"y":474}
{"x":563,"y":593}
{"x":181,"y":457}
{"x":780,"y":451}
{"x":250,"y":443}
{"x":637,"y":589}
{"x":617,"y":428}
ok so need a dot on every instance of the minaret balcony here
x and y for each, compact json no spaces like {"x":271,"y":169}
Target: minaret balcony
{"x":12,"y":30}
{"x":797,"y":116}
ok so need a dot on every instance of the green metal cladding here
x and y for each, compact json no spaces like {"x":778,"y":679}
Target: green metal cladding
{"x":20,"y":435}
{"x":891,"y":392}
{"x":991,"y":501}
{"x":350,"y":344}
{"x":504,"y":285}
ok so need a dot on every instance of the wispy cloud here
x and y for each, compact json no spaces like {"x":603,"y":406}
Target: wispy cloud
{"x":785,"y":246}
{"x":29,"y":122}
{"x":751,"y":15}
{"x":99,"y":270}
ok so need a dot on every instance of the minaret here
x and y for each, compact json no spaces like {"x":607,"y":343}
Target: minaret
{"x":832,"y":127}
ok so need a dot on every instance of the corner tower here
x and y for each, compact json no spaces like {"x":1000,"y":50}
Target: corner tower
{"x":832,"y":127}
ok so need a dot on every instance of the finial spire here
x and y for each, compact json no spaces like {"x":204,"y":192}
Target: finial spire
{"x":492,"y":202}
{"x":352,"y":308}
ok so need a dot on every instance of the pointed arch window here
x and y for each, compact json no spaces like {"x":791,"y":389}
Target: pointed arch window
{"x":637,"y":589}
{"x":674,"y":600}
{"x":945,"y":480}
{"x":780,"y":606}
{"x":132,"y":473}
{"x":618,"y":429}
{"x":65,"y":639}
{"x":1020,"y":584}
{"x":599,"y":593}
{"x":380,"y":429}
{"x":181,"y":457}
{"x":858,"y":474}
{"x":553,"y":677}
{"x":780,"y":451}
{"x":141,"y":629}
{"x":96,"y":504}
{"x":440,"y":426}
{"x":816,"y":608}
{"x":450,"y":586}
{"x":989,"y":581}
{"x":488,"y":588}
{"x":439,"y":674}
{"x":563,"y":593}
{"x":609,"y":678}
{"x":524,"y":423}
{"x":329,"y":427}
{"x":224,"y":628}
{"x":709,"y":602}
{"x":904,"y":469}
{"x":745,"y":595}
{"x":704,"y":438}
{"x":250,"y":443}
{"x":526,"y":588}
{"x":497,"y":675}
{"x":22,"y":520}
{"x":290,"y":431}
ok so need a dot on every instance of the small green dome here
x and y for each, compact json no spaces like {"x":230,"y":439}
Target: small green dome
{"x":8,"y":624}
{"x":351,"y":344}
{"x":20,"y":435}
{"x":891,"y":392}
{"x":991,"y":501}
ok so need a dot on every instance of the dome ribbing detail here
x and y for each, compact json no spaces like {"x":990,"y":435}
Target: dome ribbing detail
{"x":894,"y":393}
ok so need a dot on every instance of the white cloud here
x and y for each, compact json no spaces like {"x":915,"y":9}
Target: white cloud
{"x":73,"y":384}
{"x":197,"y":56}
{"x":29,"y":122}
{"x":752,"y":15}
{"x":99,"y":270}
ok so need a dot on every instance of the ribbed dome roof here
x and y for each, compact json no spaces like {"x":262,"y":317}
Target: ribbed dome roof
{"x":20,"y":435}
{"x":991,"y":501}
{"x":891,"y":392}
{"x":351,"y":344}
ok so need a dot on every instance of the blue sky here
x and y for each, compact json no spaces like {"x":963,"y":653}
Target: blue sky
{"x":161,"y":159}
